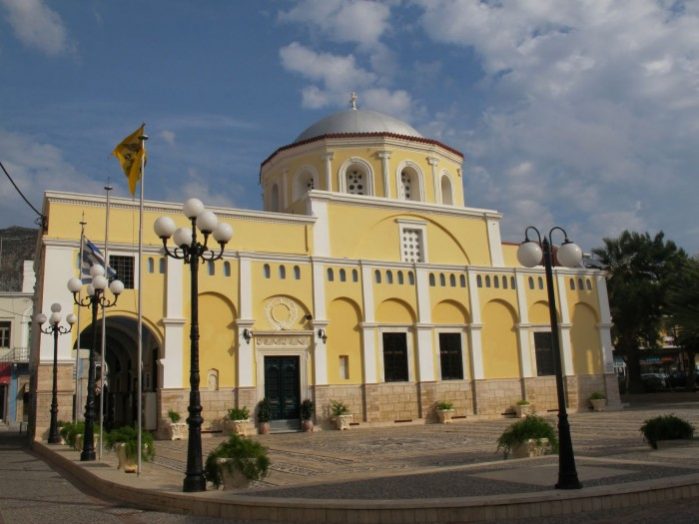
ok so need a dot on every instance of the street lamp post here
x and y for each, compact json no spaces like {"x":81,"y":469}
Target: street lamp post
{"x":54,"y":328}
{"x":94,"y":299}
{"x":189,"y":249}
{"x":569,"y":255}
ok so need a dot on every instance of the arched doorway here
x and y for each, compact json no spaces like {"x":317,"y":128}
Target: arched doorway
{"x":120,"y":379}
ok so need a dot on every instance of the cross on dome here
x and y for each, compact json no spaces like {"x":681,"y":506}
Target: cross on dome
{"x":353,"y":100}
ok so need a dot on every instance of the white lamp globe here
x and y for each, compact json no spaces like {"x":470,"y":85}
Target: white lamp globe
{"x":207,"y":220}
{"x":96,"y":270}
{"x":223,"y":232}
{"x":55,"y":317}
{"x":100,"y":282}
{"x":164,"y":227}
{"x":116,"y":287}
{"x":182,"y":237}
{"x":74,"y":285}
{"x":55,"y":307}
{"x":40,"y":318}
{"x":529,"y":254}
{"x":71,"y":319}
{"x":192,"y":207}
{"x":90,"y":289}
{"x":569,"y":254}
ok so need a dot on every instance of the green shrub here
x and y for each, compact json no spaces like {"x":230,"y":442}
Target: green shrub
{"x":174,"y":416}
{"x":666,"y":427}
{"x":444,"y":405}
{"x":239,"y":413}
{"x":338,"y":408}
{"x":248,"y":456}
{"x":307,"y":409}
{"x":597,"y":395}
{"x":71,"y":430}
{"x":530,"y":427}
{"x":264,"y":411}
{"x":523,"y":402}
{"x":129,"y":436}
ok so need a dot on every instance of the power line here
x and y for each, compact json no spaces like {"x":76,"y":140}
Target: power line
{"x":42,"y":219}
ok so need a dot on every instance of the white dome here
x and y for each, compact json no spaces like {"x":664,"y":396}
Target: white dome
{"x":357,"y":121}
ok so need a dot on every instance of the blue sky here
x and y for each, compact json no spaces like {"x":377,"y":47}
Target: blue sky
{"x":583,"y":114}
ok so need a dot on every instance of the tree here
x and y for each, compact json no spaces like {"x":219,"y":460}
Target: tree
{"x":683,"y":306}
{"x":641,"y":271}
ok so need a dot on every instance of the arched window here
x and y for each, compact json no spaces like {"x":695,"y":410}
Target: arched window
{"x":227,"y":268}
{"x":513,"y":283}
{"x":487,"y":281}
{"x":355,"y":275}
{"x":411,"y":278}
{"x":447,"y":195}
{"x":389,"y":277}
{"x":331,"y":274}
{"x":211,"y":267}
{"x":479,"y":281}
{"x":377,"y":276}
{"x":282,"y":272}
{"x":409,"y":184}
{"x":432,"y":281}
{"x":266,"y":271}
{"x":541,"y":283}
{"x":531,"y":282}
{"x":452,"y":280}
{"x":297,"y":273}
{"x":442,"y":280}
{"x":401,"y":281}
{"x":504,"y":282}
{"x":588,"y":284}
{"x":274,"y":202}
{"x":462,"y":280}
{"x":356,"y":180}
{"x":572,"y":284}
{"x":304,"y":182}
{"x":496,"y":281}
{"x":580,"y":284}
{"x":163,"y":265}
{"x":151,"y":265}
{"x":343,"y":275}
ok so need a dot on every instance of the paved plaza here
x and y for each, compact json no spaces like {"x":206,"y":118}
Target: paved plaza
{"x":412,"y":464}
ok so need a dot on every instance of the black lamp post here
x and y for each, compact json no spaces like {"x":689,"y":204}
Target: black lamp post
{"x":95,"y":298}
{"x":189,"y":249}
{"x":55,"y":329}
{"x":569,"y":255}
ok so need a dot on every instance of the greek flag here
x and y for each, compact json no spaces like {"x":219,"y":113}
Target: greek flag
{"x":91,"y":256}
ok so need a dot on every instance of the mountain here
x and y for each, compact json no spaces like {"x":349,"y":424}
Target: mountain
{"x":17,"y":244}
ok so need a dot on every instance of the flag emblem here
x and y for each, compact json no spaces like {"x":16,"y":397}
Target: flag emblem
{"x":131,"y":153}
{"x":91,"y":256}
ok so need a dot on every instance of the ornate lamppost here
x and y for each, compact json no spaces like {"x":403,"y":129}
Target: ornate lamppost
{"x":55,"y":328}
{"x":189,"y":249}
{"x":94,"y":299}
{"x":569,"y":254}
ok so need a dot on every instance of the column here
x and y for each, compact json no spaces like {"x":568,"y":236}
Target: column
{"x":368,"y":327}
{"x":328,"y":159}
{"x":433,"y":162}
{"x":476,"y":327}
{"x":525,"y":354}
{"x":173,"y":326}
{"x":385,"y":171}
{"x":565,"y":325}
{"x":605,"y":324}
{"x":246,"y":353}
{"x":425,"y":352}
{"x":320,"y":352}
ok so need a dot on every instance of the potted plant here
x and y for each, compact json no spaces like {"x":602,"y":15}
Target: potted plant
{"x":666,"y":427}
{"x":176,"y":430}
{"x":124,"y":441}
{"x":445,"y":410}
{"x":598,"y":401}
{"x":236,"y":462}
{"x":340,"y":414}
{"x":70,"y":431}
{"x":530,"y":437}
{"x":523,"y":408}
{"x":236,"y":423}
{"x":307,"y":415}
{"x":264,"y":413}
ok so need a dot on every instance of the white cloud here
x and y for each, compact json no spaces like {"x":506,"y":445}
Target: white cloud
{"x":361,"y":22}
{"x":168,"y":136}
{"x":37,"y":25}
{"x":197,"y":185}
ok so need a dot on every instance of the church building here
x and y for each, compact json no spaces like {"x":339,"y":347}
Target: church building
{"x":369,"y":278}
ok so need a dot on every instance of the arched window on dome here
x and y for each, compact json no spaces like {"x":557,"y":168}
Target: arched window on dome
{"x":447,"y":192}
{"x":305,"y":181}
{"x":274,"y":203}
{"x":410,"y":183}
{"x":356,"y":180}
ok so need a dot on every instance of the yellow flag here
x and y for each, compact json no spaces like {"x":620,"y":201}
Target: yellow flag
{"x":131,"y":153}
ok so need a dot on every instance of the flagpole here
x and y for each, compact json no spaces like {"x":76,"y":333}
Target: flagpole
{"x":143,"y":139}
{"x":78,"y":389}
{"x":107,"y":188}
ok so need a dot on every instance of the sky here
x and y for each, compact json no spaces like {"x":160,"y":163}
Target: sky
{"x":582,"y":114}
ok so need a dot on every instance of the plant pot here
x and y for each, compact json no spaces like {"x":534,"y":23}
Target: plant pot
{"x":78,"y":446}
{"x":236,"y":427}
{"x":531,"y":448}
{"x":342,"y":422}
{"x":263,"y":428}
{"x":307,"y":425}
{"x":232,"y":478}
{"x":126,"y":462}
{"x":522,"y":410}
{"x":445,"y":415}
{"x":178,"y":430}
{"x":598,"y":404}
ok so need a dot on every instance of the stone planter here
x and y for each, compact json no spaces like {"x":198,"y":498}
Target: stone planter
{"x":232,"y":478}
{"x":342,"y":422}
{"x":598,"y":404}
{"x":78,"y":446}
{"x":236,"y":427}
{"x":263,"y":428}
{"x":307,"y":425}
{"x":127,"y":463}
{"x":531,"y":448}
{"x":522,"y":410}
{"x":445,"y":415}
{"x":178,"y":430}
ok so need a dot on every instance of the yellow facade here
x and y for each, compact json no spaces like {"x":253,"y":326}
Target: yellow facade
{"x":365,"y":273}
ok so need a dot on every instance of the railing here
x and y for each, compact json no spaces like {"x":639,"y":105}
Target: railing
{"x":14,"y":355}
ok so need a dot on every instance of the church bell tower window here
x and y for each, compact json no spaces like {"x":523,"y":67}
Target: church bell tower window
{"x":355,"y":181}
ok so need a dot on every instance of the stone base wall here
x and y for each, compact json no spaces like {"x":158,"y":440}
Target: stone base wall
{"x":65,"y":385}
{"x":541,"y":393}
{"x":215,"y":406}
{"x":458,"y":392}
{"x":391,"y":402}
{"x":352,"y":396}
{"x":587,"y":384}
{"x":497,"y":396}
{"x":611,"y":389}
